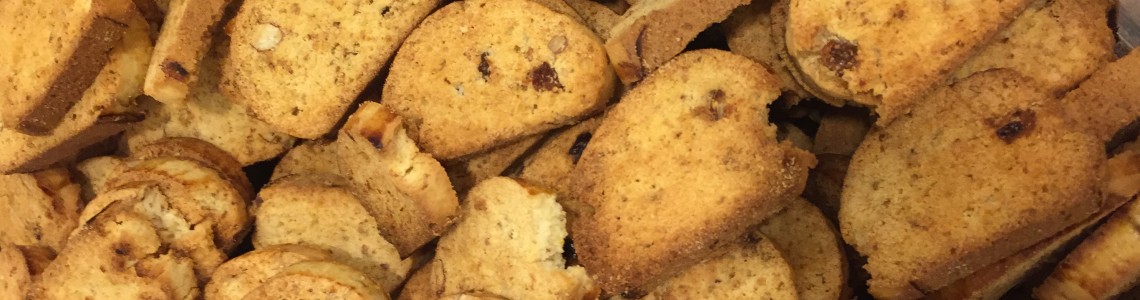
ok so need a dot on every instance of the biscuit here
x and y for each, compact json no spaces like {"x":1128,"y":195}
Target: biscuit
{"x":322,"y":211}
{"x":39,"y":209}
{"x":1103,"y":266}
{"x":811,"y":246}
{"x":278,"y":51}
{"x":309,"y":157}
{"x":245,"y":273}
{"x":749,"y":33}
{"x":596,"y":16}
{"x":840,"y":131}
{"x":202,"y":152}
{"x":903,"y":203}
{"x":16,"y":278}
{"x":479,"y":167}
{"x":1107,"y":102}
{"x":318,"y":280}
{"x":825,"y":183}
{"x":54,"y":52}
{"x":551,"y":165}
{"x":185,"y":39}
{"x":513,"y":69}
{"x":407,"y":191}
{"x":95,"y":172}
{"x":889,"y":54}
{"x":671,"y":150}
{"x":752,"y":269}
{"x":649,"y":35}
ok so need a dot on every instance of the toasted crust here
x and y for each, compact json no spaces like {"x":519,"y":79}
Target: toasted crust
{"x":407,"y":191}
{"x":40,"y":209}
{"x":735,"y":274}
{"x":41,"y":86}
{"x":243,"y":274}
{"x":318,"y":280}
{"x":749,"y":33}
{"x":812,"y":248}
{"x":715,"y":99}
{"x":274,"y":55}
{"x":651,"y":34}
{"x":323,"y":211}
{"x":487,"y":85}
{"x":888,"y":54}
{"x":464,"y":175}
{"x":309,"y":157}
{"x":903,"y":205}
{"x":1106,"y":102}
{"x":185,"y":38}
{"x":203,"y":153}
{"x":93,"y":118}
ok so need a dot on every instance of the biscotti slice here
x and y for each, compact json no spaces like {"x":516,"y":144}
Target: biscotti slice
{"x":208,"y":115}
{"x":54,"y":51}
{"x":512,"y":69}
{"x":509,"y":244}
{"x":185,"y":39}
{"x":1102,"y":266}
{"x":1058,"y":43}
{"x":98,"y":115}
{"x":466,"y":174}
{"x":95,"y":172}
{"x":118,"y":256}
{"x":652,"y":33}
{"x":748,"y":31}
{"x":920,"y":200}
{"x":39,"y":209}
{"x":889,"y":54}
{"x":16,"y":277}
{"x":751,"y":269}
{"x":245,"y":273}
{"x":201,"y":152}
{"x":596,"y":16}
{"x":323,"y":211}
{"x":319,"y":280}
{"x":407,"y":191}
{"x":300,"y":77}
{"x":309,"y":157}
{"x":550,"y":166}
{"x":812,"y":248}
{"x":1110,"y":99}
{"x":671,"y":150}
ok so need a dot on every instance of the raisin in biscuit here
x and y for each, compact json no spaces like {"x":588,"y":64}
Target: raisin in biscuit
{"x":40,"y":209}
{"x":751,"y":269}
{"x":1102,"y":266}
{"x":101,"y":113}
{"x":1108,"y":100}
{"x":748,"y":31}
{"x":297,"y":65}
{"x":319,"y":280}
{"x":651,"y":34}
{"x":1059,"y":43}
{"x":903,"y":202}
{"x":673,"y":147}
{"x":407,"y":191}
{"x":468,"y":173}
{"x":498,"y":71}
{"x":245,"y":273}
{"x":323,"y":211}
{"x":309,"y":157}
{"x":811,"y":246}
{"x":889,"y":54}
{"x":54,"y":51}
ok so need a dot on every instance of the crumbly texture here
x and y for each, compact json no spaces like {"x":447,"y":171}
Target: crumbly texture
{"x":208,"y":115}
{"x":596,"y":16}
{"x":16,"y":278}
{"x":671,"y":151}
{"x":509,"y":244}
{"x":904,"y":206}
{"x":465,"y":175}
{"x":406,"y":190}
{"x":40,"y":209}
{"x":297,"y":65}
{"x":203,"y":153}
{"x":54,"y":51}
{"x":811,"y":246}
{"x":1072,"y":34}
{"x":95,"y":172}
{"x":550,"y":166}
{"x":752,"y":269}
{"x":498,"y":71}
{"x":1103,"y":265}
{"x":652,"y":33}
{"x":318,"y":280}
{"x":185,"y":39}
{"x":118,"y":256}
{"x":1106,"y":102}
{"x":243,"y":274}
{"x":324,"y":212}
{"x":93,"y":118}
{"x":889,"y":54}
{"x":309,"y":157}
{"x":748,"y":31}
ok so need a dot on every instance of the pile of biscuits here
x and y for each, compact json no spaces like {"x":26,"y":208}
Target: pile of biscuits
{"x":567,"y":149}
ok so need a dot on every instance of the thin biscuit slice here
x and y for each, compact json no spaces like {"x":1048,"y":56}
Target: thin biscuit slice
{"x":1058,"y":43}
{"x":208,"y":115}
{"x":55,"y":51}
{"x":202,"y":152}
{"x":309,"y":157}
{"x":651,"y":34}
{"x":596,"y":16}
{"x":889,"y":54}
{"x":103,"y":112}
{"x":749,"y":33}
{"x":753,"y":269}
{"x":300,"y":77}
{"x":811,"y":246}
{"x":96,"y":172}
{"x":466,"y":174}
{"x":673,"y":147}
{"x":1110,"y":99}
{"x":552,"y":164}
{"x":903,"y":203}
{"x":516,"y":232}
{"x":512,"y":69}
{"x":118,"y":256}
{"x":185,"y":38}
{"x":323,"y":211}
{"x":15,"y":278}
{"x":39,"y":209}
{"x":318,"y":280}
{"x":407,"y":191}
{"x":243,"y":274}
{"x":1102,"y":266}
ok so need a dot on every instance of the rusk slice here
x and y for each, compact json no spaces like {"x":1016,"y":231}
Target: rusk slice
{"x":309,"y":157}
{"x":39,"y":209}
{"x":750,"y":269}
{"x":811,"y":246}
{"x":750,"y":32}
{"x":466,"y":174}
{"x":243,"y":274}
{"x":185,"y":39}
{"x":1110,"y":99}
{"x":318,"y":280}
{"x":1102,"y":266}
